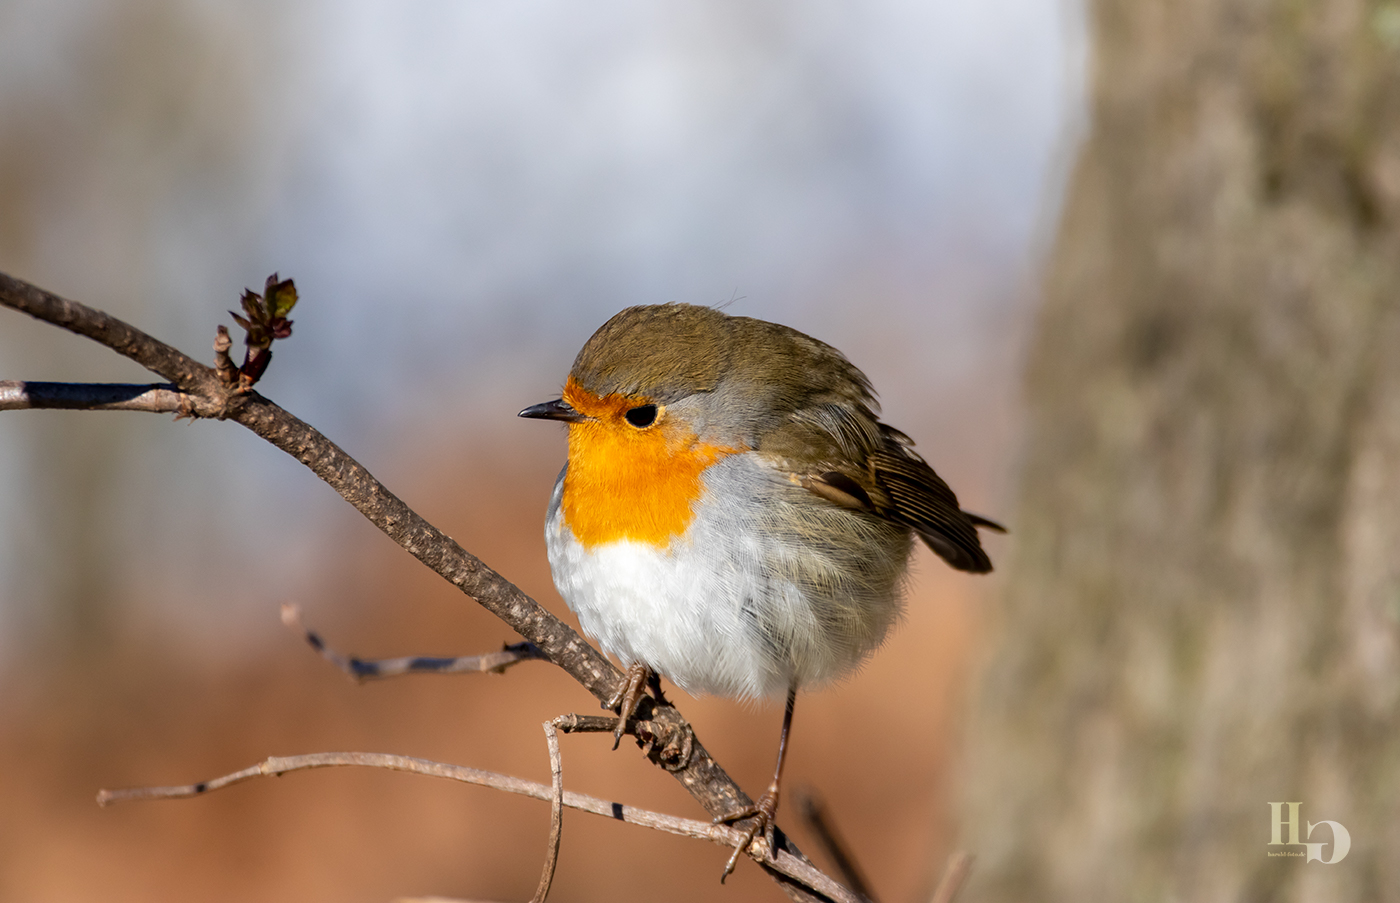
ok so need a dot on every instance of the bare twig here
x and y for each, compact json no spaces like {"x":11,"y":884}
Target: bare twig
{"x":955,"y":872}
{"x":670,"y":745}
{"x":556,"y":812}
{"x":209,"y":397}
{"x":783,"y":863}
{"x":188,"y":375}
{"x":361,"y":669}
{"x":223,"y":364}
{"x":813,"y":812}
{"x":154,"y":398}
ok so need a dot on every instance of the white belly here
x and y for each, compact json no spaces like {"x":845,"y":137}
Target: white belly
{"x":741,"y":604}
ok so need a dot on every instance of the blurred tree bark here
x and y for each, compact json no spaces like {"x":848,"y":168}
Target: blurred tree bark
{"x":1202,"y":612}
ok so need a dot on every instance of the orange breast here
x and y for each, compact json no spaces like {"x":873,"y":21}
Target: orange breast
{"x":626,"y":483}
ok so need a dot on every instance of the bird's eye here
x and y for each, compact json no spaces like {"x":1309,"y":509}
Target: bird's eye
{"x":642,"y":416}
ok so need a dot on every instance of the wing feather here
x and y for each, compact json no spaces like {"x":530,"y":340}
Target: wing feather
{"x":872,"y":466}
{"x":920,"y":499}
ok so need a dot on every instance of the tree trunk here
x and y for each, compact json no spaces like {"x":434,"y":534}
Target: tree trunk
{"x":1202,"y":616}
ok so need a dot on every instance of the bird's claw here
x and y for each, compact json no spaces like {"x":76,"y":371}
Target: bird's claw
{"x":626,"y":701}
{"x":762,"y":815}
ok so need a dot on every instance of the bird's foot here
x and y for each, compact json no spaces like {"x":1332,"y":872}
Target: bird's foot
{"x":654,"y":684}
{"x":626,"y":701}
{"x":761,"y":815}
{"x":669,"y":745}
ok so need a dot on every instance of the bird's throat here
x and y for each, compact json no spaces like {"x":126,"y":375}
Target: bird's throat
{"x":631,"y":485}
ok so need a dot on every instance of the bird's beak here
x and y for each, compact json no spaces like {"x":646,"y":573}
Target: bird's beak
{"x":559,"y":409}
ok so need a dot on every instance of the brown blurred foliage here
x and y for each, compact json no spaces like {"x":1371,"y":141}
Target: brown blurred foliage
{"x":1203,"y":614}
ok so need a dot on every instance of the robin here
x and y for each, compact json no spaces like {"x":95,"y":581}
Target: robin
{"x":733,"y":515}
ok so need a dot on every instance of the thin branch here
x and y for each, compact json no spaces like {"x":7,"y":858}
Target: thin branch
{"x":813,"y":812}
{"x":702,"y":777}
{"x":556,"y":827}
{"x":955,"y":873}
{"x":154,"y":398}
{"x":556,"y":812}
{"x":362,"y":669}
{"x":784,"y":863}
{"x":187,"y":374}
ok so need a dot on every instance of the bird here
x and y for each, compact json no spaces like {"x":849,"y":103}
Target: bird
{"x":732,"y":513}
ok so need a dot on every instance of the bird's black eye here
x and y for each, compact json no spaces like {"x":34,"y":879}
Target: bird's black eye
{"x":642,"y":416}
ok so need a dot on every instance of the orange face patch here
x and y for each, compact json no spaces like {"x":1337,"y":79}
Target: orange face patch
{"x":630,"y":483}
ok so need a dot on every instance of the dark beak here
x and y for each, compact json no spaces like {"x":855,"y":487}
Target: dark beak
{"x":559,"y":409}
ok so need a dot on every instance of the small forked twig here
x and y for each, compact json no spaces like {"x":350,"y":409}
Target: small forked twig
{"x":361,"y":669}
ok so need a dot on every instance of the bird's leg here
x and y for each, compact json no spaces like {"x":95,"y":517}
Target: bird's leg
{"x":766,"y":809}
{"x":654,"y":683}
{"x":626,"y":701}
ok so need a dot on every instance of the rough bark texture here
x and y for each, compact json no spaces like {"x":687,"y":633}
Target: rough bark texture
{"x":1202,"y":614}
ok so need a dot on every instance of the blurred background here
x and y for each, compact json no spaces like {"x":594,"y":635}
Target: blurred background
{"x":463,"y":192}
{"x":1127,"y":271}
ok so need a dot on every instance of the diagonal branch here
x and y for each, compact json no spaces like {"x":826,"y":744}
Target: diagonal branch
{"x":208,"y":397}
{"x":955,"y":872}
{"x":813,"y":811}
